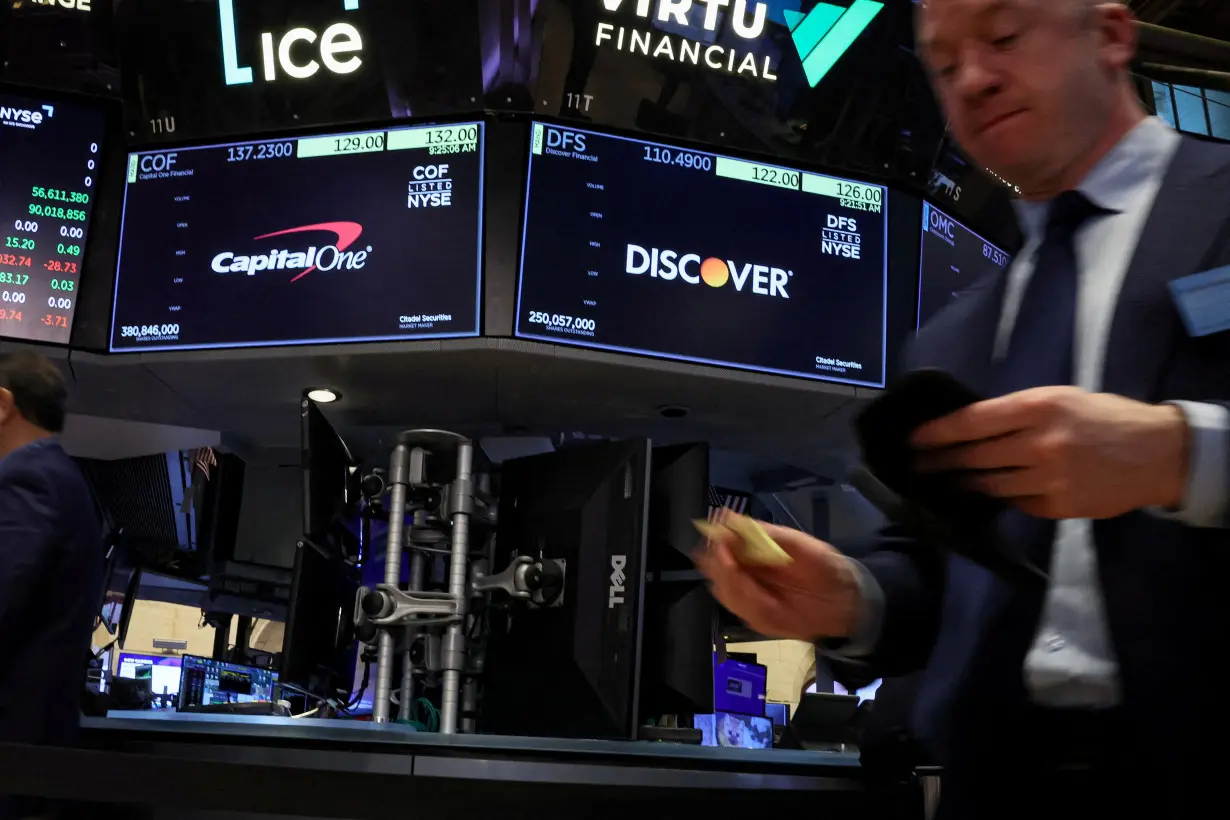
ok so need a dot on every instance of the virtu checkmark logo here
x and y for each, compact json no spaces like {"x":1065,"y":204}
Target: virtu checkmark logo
{"x":826,"y":32}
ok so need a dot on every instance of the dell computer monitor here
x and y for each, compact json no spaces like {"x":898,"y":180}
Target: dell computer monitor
{"x":571,"y":668}
{"x":677,"y":677}
{"x":318,"y":646}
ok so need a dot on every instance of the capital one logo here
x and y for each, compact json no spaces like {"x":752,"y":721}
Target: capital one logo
{"x":693,"y":269}
{"x":299,"y":53}
{"x":826,"y":32}
{"x":330,"y":257}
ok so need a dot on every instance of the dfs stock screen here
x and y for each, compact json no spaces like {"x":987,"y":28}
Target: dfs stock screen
{"x":952,"y":258}
{"x":638,"y":247}
{"x":340,"y":238}
{"x":48,"y":167}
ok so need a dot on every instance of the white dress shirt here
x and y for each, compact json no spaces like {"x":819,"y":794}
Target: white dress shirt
{"x":1072,"y":662}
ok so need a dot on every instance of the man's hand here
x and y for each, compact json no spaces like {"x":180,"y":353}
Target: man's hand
{"x":1061,"y":452}
{"x":816,"y":595}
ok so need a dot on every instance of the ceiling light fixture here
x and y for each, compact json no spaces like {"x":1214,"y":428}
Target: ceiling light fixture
{"x":323,"y":395}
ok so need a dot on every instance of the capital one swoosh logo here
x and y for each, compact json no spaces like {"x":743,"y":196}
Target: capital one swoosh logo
{"x":330,"y":257}
{"x":826,"y":32}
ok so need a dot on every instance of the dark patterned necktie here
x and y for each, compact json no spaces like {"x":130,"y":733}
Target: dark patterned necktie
{"x":1041,"y":347}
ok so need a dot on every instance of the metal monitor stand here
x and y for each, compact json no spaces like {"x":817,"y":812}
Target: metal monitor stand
{"x":394,"y":611}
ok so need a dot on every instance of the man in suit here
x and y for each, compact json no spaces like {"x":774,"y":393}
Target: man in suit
{"x":1105,"y":431}
{"x":51,"y":560}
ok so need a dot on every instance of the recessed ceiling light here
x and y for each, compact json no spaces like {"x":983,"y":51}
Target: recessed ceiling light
{"x":323,"y":395}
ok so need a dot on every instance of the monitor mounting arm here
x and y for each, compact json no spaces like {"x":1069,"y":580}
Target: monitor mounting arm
{"x":540,"y":582}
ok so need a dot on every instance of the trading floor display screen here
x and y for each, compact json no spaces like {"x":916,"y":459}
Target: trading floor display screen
{"x":638,"y":247}
{"x":372,"y":236}
{"x":952,"y":258}
{"x":49,"y":155}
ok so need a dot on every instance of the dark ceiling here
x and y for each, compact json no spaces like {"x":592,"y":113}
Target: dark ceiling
{"x":1210,"y":18}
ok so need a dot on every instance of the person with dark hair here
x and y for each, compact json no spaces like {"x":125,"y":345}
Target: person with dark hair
{"x":51,"y":563}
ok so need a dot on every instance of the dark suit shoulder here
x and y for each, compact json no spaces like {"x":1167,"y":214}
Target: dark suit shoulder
{"x":44,"y":461}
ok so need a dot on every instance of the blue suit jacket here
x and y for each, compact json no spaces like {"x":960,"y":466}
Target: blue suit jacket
{"x":1165,"y":585}
{"x":51,"y":568}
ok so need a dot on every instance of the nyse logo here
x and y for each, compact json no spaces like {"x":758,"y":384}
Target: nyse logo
{"x":618,"y":579}
{"x":693,"y":269}
{"x":295,"y":52}
{"x":25,"y":117}
{"x":430,"y":188}
{"x":841,"y":237}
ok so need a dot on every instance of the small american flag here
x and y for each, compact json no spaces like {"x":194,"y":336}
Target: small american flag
{"x":721,"y":498}
{"x":204,"y":460}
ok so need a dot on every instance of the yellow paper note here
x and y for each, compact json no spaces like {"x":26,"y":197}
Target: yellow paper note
{"x":758,"y":547}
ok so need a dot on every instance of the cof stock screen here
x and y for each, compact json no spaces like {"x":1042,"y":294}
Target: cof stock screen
{"x":49,"y":155}
{"x":325,"y":239}
{"x":639,"y":247}
{"x":952,"y":258}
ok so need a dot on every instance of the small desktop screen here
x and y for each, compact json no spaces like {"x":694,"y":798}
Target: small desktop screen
{"x":49,"y":168}
{"x":734,"y":731}
{"x":639,"y":247}
{"x":952,"y":258}
{"x":868,"y":692}
{"x":165,"y":671}
{"x":206,"y":682}
{"x":739,"y":687}
{"x":372,"y":236}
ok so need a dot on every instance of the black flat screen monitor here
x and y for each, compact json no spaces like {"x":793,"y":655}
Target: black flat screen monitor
{"x":329,"y":476}
{"x":372,"y":236}
{"x":952,"y":258}
{"x":318,"y":648}
{"x":638,"y":247}
{"x":49,"y":156}
{"x":579,"y":658}
{"x":680,"y":613}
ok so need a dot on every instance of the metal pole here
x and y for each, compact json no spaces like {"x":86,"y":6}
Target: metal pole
{"x":461,"y":505}
{"x":406,"y":468}
{"x":406,"y":696}
{"x":399,"y":469}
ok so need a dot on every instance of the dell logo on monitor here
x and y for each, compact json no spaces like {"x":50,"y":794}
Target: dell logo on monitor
{"x":298,"y":53}
{"x":618,"y":579}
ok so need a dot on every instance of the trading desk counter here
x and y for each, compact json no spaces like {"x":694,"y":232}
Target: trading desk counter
{"x":183,"y":765}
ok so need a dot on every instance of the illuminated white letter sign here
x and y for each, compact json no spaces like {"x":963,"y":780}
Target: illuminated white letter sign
{"x":297,"y":54}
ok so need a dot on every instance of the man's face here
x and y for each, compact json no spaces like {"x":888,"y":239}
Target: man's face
{"x":1026,"y":84}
